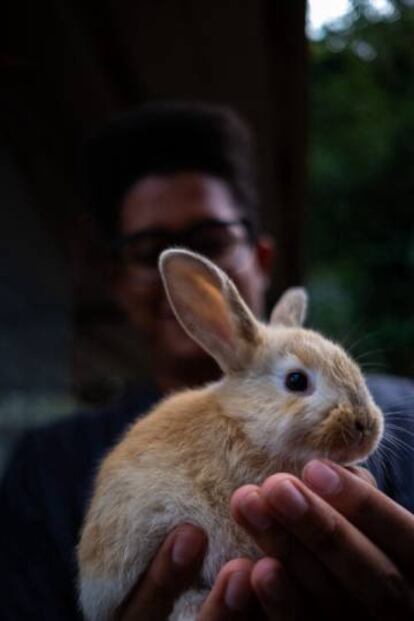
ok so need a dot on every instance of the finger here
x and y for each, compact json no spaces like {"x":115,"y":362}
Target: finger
{"x":367,"y":508}
{"x":253,"y":513}
{"x":362,"y":568}
{"x":363,"y":474}
{"x":278,"y":595}
{"x":170,"y":573}
{"x":231,"y":597}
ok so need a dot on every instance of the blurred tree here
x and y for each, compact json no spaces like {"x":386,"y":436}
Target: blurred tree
{"x":361,"y":234}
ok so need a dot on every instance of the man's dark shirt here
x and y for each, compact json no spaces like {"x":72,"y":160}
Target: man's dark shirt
{"x":47,"y":485}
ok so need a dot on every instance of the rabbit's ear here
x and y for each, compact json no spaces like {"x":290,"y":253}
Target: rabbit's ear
{"x":209,"y":307}
{"x":290,"y":310}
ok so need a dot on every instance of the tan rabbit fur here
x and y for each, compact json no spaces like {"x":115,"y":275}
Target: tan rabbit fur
{"x":182,"y":462}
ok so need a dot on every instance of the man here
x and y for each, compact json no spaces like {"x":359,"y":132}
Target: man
{"x":174,"y":174}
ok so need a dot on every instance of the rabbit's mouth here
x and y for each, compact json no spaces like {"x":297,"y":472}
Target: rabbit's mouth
{"x":347,"y":435}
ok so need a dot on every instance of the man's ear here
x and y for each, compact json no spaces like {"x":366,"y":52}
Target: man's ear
{"x":122,"y":294}
{"x":265,"y":255}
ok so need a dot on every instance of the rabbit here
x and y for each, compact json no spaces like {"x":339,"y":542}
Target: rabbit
{"x":287,"y":395}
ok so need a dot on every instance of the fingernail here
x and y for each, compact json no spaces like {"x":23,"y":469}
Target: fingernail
{"x":254,"y":510}
{"x":288,"y":501}
{"x":187,"y":547}
{"x":237,"y":592}
{"x":323,"y":479}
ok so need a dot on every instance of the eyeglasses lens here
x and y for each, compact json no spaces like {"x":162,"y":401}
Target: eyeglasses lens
{"x":224,"y":243}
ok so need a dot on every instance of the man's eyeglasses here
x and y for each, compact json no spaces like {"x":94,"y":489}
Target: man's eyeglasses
{"x":227,"y":243}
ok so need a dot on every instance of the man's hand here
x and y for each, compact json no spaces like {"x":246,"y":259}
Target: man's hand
{"x":171,"y":572}
{"x":346,"y":550}
{"x":336,"y":548}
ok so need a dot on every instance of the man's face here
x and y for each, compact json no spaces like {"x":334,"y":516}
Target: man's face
{"x":182,"y":203}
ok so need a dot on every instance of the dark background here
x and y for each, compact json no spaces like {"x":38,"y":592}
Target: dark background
{"x":334,"y":122}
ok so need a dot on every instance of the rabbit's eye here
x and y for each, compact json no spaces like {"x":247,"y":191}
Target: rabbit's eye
{"x":297,"y":381}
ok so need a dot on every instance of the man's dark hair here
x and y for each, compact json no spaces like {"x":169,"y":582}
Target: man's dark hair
{"x":163,"y":138}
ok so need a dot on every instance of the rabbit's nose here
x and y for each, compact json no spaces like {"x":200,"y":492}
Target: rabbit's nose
{"x":363,"y":423}
{"x":361,"y":430}
{"x":359,"y":425}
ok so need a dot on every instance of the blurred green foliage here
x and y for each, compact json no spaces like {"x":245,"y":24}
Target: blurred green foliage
{"x":361,"y":213}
